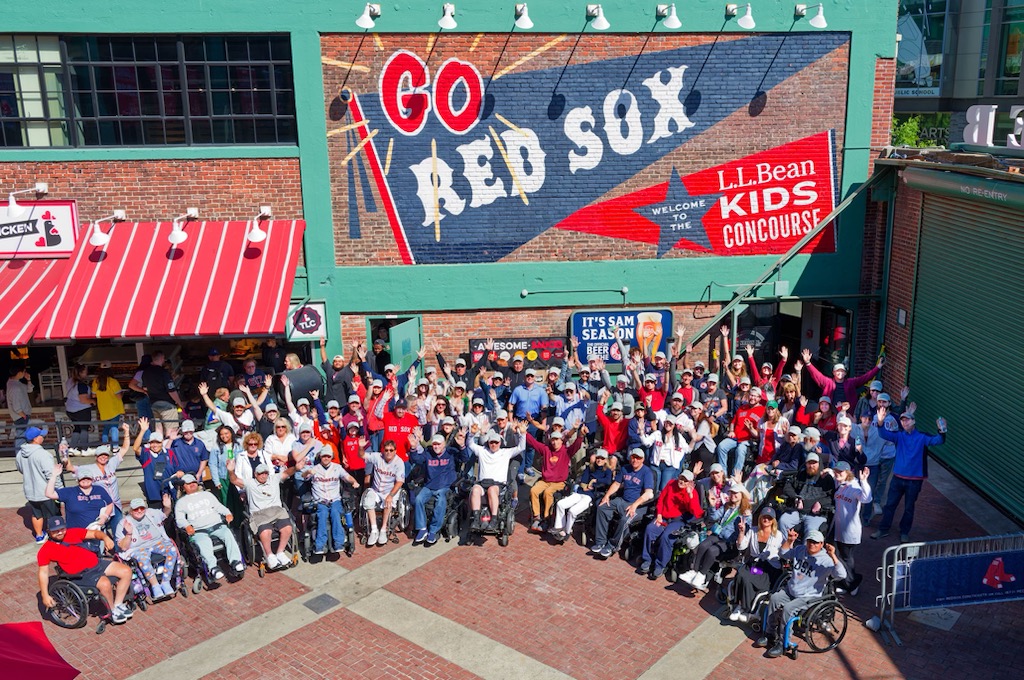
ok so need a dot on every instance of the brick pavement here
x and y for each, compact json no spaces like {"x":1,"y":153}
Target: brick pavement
{"x":341,"y":645}
{"x":163,"y":630}
{"x":15,"y":530}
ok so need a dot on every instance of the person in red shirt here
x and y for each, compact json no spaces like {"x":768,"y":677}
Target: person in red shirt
{"x":824,"y":419}
{"x":651,"y":395}
{"x":351,"y":452}
{"x":375,"y":403}
{"x":554,"y":470}
{"x":686,"y":388}
{"x":678,"y":504}
{"x":615,"y":428}
{"x":398,"y":425}
{"x":63,"y":547}
{"x":742,"y":433}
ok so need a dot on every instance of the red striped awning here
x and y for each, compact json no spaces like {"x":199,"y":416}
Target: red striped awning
{"x":26,"y":286}
{"x":216,"y":283}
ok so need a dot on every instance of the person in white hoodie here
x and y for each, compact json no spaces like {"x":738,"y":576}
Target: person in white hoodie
{"x":852,"y":490}
{"x":36,"y":466}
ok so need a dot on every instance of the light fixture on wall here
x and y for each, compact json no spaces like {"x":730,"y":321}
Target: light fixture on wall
{"x":99,"y":238}
{"x":256,"y":234}
{"x":595,"y":14}
{"x":523,"y":21}
{"x":818,"y":20}
{"x":746,"y":21}
{"x":447,"y":20}
{"x":15,"y":210}
{"x":366,"y":19}
{"x":667,"y":13}
{"x":178,"y":235}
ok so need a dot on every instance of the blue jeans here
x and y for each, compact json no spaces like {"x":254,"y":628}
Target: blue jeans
{"x":331,"y":512}
{"x":376,"y":439}
{"x":884,"y":475}
{"x":664,"y":475}
{"x":440,"y":497}
{"x":527,"y":460}
{"x":144,"y":408}
{"x":726,"y":447}
{"x":658,"y":543}
{"x":19,"y":432}
{"x":108,"y":430}
{"x":898,"y":488}
{"x":793,"y":518}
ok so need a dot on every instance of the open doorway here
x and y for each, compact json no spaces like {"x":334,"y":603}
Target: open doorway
{"x":393,"y":340}
{"x":767,"y":327}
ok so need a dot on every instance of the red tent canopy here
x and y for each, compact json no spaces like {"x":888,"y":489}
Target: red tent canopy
{"x":28,"y":654}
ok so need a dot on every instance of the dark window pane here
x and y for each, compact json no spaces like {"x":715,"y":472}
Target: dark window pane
{"x":286,"y":130}
{"x":121,"y":48}
{"x":240,"y":78}
{"x":107,"y":102}
{"x":215,"y":49}
{"x":241,"y":102}
{"x":145,"y":49}
{"x":285,"y":103}
{"x":238,"y":49}
{"x":131,"y":132}
{"x":153,"y":132}
{"x":261,"y":102}
{"x":150,"y":103}
{"x":175,"y":131}
{"x":202,"y":133}
{"x":89,"y":134}
{"x":100,"y":50}
{"x":197,"y":104}
{"x":259,"y":49}
{"x":219,"y":77}
{"x":80,"y":79}
{"x":244,"y":132}
{"x":196,"y":76}
{"x":128,"y":104}
{"x":266,"y":131}
{"x":223,"y":132}
{"x":110,"y":135}
{"x":146,"y":76}
{"x":83,"y":104}
{"x":166,"y":50}
{"x":194,"y":49}
{"x":260,"y":77}
{"x":283,"y":77}
{"x":221,"y":102}
{"x":280,"y":48}
{"x":103,"y":76}
{"x":124,"y":78}
{"x":172,"y":103}
{"x":78,"y":48}
{"x":170,"y":78}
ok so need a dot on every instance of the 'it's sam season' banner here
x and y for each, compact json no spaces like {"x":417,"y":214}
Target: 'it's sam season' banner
{"x":472,"y":162}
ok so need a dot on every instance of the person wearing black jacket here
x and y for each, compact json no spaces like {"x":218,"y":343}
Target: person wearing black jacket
{"x":809,"y":497}
{"x":461,"y":374}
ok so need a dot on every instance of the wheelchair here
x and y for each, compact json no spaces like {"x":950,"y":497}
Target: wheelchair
{"x":203,"y":575}
{"x":821,"y":625}
{"x":308,"y":508}
{"x":398,"y":520}
{"x":252,"y":550}
{"x":685,"y":543}
{"x":74,"y":601}
{"x":142,"y":588}
{"x":584,"y":520}
{"x":455,"y":508}
{"x":503,"y":524}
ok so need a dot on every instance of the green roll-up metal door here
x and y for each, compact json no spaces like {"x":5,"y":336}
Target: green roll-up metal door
{"x":966,"y":349}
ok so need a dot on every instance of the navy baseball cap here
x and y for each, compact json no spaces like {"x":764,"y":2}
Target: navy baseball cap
{"x":56,"y":523}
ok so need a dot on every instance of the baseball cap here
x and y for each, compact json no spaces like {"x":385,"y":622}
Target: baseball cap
{"x":813,"y":458}
{"x":622,"y":379}
{"x":352,"y":399}
{"x":390,"y":367}
{"x":825,"y":398}
{"x":377,"y":383}
{"x":812,"y":432}
{"x":500,"y":413}
{"x":756,"y":391}
{"x":772,"y":404}
{"x":86,"y":472}
{"x":191,"y":479}
{"x":884,"y":396}
{"x":844,"y":421}
{"x":650,"y":377}
{"x":56,"y":523}
{"x":497,"y":376}
{"x":379,"y":342}
{"x":553,"y":369}
{"x":302,"y":402}
{"x":569,"y":387}
{"x":745,"y":380}
{"x":33,"y":432}
{"x":437,"y":439}
{"x":767,"y":511}
{"x":337,"y":357}
{"x":695,"y":404}
{"x":326,"y":453}
{"x":815,"y":537}
{"x":842,"y":466}
{"x":155,"y":437}
{"x":795,"y":429}
{"x":676,"y":397}
{"x":354,"y":423}
{"x":478,"y":401}
{"x":558,"y":420}
{"x":736,"y":487}
{"x":838,"y":367}
{"x":240,"y":401}
{"x":493,"y":437}
{"x":460,"y":385}
{"x":260,"y":469}
{"x":400,"y":403}
{"x":137,"y":503}
{"x":687,"y":370}
{"x":617,"y":406}
{"x":431,"y":369}
{"x":460,"y":362}
{"x":600,"y":453}
{"x":712,"y":377}
{"x":698,"y":364}
{"x":687,"y":475}
{"x":636,"y":453}
{"x":555,"y":435}
{"x":102,"y":450}
{"x":422,"y":382}
{"x":530,"y":371}
{"x":270,"y":406}
{"x":214,"y":352}
{"x":306,"y":426}
{"x":875,"y":385}
{"x":448,"y":420}
{"x":659,"y":355}
{"x":188,"y":426}
{"x":716,"y":467}
{"x":907,"y":415}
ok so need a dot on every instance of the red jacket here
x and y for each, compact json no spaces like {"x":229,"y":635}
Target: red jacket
{"x":615,"y":432}
{"x":398,"y":430}
{"x":743,"y":413}
{"x":675,"y":502}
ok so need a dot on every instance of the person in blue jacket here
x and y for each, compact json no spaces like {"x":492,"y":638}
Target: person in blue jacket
{"x":909,"y":470}
{"x":439,"y":465}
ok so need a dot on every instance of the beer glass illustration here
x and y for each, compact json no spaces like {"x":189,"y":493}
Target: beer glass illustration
{"x":649,"y":332}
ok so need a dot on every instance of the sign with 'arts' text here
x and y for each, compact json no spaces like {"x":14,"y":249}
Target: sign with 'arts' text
{"x":38,"y":229}
{"x":597,"y":330}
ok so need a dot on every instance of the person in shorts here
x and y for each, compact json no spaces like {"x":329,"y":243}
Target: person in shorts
{"x":266,"y":513}
{"x":387,"y":473}
{"x":86,"y":567}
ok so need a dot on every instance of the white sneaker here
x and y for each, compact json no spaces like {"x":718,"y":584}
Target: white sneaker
{"x":372,"y":539}
{"x":744,"y":617}
{"x":700,"y":582}
{"x":239,"y":567}
{"x":284,"y":558}
{"x":735,"y":614}
{"x":382,"y":539}
{"x":688,"y":576}
{"x":272,"y":561}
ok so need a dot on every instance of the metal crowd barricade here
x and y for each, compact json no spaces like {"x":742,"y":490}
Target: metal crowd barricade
{"x":954,"y":573}
{"x":93,"y":434}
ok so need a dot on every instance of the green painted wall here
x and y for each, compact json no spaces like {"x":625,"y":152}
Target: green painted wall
{"x":871,"y":24}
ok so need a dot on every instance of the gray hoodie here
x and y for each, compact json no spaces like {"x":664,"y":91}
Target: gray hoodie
{"x":36,"y":465}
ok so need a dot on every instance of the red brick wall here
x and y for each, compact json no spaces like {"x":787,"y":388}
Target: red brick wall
{"x":872,"y":263}
{"x":885,"y":92}
{"x":453,"y":330}
{"x":227,"y":189}
{"x":902,"y":278}
{"x":816,"y":94}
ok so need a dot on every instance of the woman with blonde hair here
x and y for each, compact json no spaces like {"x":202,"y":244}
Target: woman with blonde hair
{"x":763,"y":565}
{"x":728,"y":522}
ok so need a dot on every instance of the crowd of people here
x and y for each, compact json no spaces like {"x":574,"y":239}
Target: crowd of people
{"x":664,"y":445}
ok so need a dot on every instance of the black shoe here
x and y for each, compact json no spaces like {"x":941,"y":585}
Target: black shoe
{"x":476,"y":525}
{"x":776,"y":651}
{"x":762,"y":641}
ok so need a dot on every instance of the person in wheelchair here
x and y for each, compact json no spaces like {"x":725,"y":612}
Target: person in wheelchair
{"x":85,"y":505}
{"x":636,"y":481}
{"x":494,"y":474}
{"x":266,"y":512}
{"x":85,"y":567}
{"x":811,"y":497}
{"x":439,"y":466}
{"x":140,"y":534}
{"x":678,"y":503}
{"x":727,"y":522}
{"x":596,"y":479}
{"x":762,"y":565}
{"x":202,"y":517}
{"x":325,"y":479}
{"x":811,"y":569}
{"x":554,"y":459}
{"x":387,"y":473}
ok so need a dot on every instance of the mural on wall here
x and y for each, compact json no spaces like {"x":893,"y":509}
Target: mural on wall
{"x":499,"y":148}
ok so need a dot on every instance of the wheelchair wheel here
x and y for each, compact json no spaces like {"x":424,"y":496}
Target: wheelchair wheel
{"x":70,"y":606}
{"x":451,"y":527}
{"x":197,"y":584}
{"x":825,"y":625}
{"x":672,"y":574}
{"x":503,"y":540}
{"x":350,"y":542}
